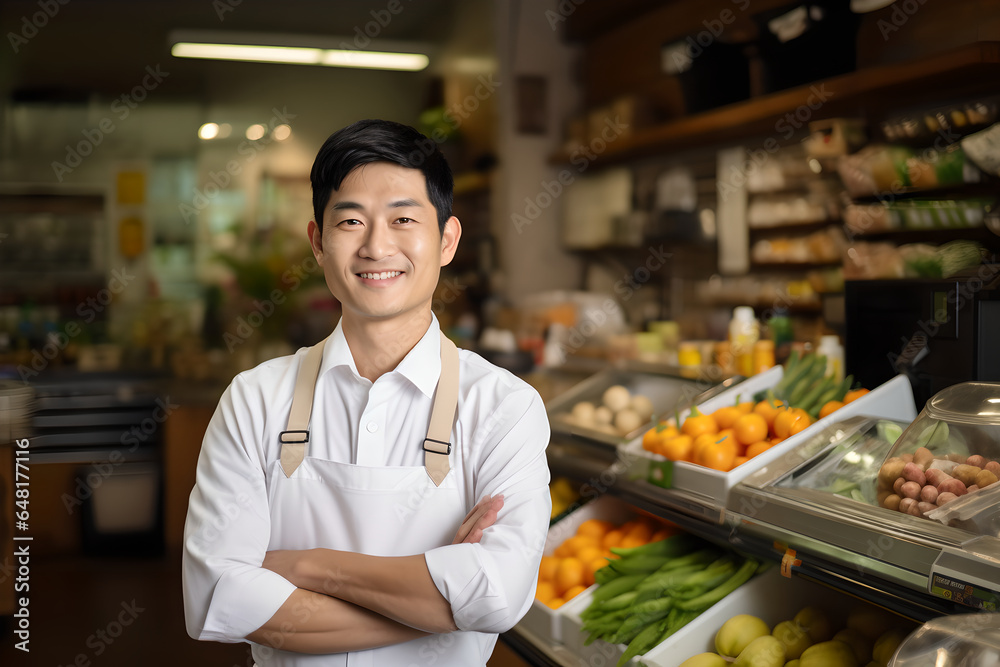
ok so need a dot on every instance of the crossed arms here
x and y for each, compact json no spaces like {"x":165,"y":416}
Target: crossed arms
{"x":346,"y":601}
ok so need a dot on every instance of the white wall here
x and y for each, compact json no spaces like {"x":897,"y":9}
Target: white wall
{"x":532,"y":259}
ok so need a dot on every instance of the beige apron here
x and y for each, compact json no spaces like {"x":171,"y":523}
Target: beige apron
{"x":381,"y":511}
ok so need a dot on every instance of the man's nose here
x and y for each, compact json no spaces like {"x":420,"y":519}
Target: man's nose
{"x":378,"y":242}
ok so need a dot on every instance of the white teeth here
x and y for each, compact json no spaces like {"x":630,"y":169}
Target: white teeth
{"x":384,"y":275}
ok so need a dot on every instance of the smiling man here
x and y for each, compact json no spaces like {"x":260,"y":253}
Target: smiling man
{"x":380,"y":498}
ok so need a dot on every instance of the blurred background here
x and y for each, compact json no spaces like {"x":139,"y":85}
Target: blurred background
{"x":626,"y":172}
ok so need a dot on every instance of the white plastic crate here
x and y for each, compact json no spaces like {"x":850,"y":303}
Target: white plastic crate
{"x":891,"y":400}
{"x":540,"y":619}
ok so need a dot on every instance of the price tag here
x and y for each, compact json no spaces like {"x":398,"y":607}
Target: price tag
{"x":964,"y":593}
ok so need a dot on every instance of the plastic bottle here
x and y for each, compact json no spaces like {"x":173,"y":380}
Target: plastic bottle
{"x":830,"y":347}
{"x":744,"y":332}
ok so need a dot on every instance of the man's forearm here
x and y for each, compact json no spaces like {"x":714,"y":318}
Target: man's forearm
{"x":399,"y":588}
{"x":310,"y":622}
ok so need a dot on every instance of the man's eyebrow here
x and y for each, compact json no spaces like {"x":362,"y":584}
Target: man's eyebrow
{"x":345,"y":205}
{"x":405,"y":203}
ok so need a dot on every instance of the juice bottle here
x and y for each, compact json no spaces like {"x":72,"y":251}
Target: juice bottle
{"x":744,"y":332}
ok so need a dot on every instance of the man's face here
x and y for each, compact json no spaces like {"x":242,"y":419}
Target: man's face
{"x":380,"y":247}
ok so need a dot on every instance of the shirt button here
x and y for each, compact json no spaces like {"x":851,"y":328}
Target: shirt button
{"x":372,"y":427}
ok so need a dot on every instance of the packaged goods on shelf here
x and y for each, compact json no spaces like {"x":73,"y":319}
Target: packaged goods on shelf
{"x":819,"y":247}
{"x":916,"y":214}
{"x":891,"y":170}
{"x":926,"y":125}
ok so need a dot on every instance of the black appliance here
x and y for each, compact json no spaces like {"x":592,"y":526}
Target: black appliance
{"x":937,"y":332}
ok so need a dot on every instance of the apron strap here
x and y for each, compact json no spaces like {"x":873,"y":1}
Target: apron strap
{"x":437,"y":445}
{"x":295,"y":438}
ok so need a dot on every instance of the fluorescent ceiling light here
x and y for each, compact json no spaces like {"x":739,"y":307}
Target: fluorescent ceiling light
{"x":298,"y":50}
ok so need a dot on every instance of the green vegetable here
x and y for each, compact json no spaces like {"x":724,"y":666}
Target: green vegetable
{"x":648,"y":612}
{"x":639,"y":563}
{"x":706,"y":600}
{"x":791,"y":378}
{"x":809,"y":401}
{"x":643,"y":641}
{"x":617,"y":587}
{"x":816,"y":375}
{"x":957,"y":256}
{"x":671,"y":547}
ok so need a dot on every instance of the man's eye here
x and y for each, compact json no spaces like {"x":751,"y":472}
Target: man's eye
{"x":350,"y":223}
{"x":404,"y":220}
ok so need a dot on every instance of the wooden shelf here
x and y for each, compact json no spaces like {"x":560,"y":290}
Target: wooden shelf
{"x":794,"y":227}
{"x":931,"y":235}
{"x":970,"y":69}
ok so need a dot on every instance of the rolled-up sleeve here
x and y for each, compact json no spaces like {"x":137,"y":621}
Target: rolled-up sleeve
{"x":490,"y":585}
{"x":227,"y":595}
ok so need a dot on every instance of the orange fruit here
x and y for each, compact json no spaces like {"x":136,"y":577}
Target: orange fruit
{"x":592,"y":567}
{"x":750,"y":428}
{"x":697,"y":423}
{"x":547,"y":570}
{"x":651,"y":440}
{"x":718,"y":455}
{"x":800,"y":424}
{"x":612,"y":539}
{"x":574,"y":544}
{"x":775,"y":440}
{"x":571,"y":572}
{"x":726,"y":416}
{"x":631,"y":541}
{"x":783,"y":423}
{"x":573,"y":592}
{"x":768,"y":411}
{"x":745,"y":407}
{"x":587,"y":554}
{"x":756,"y":448}
{"x":854,"y":395}
{"x":545,"y":591}
{"x":740,"y":460}
{"x":596,"y":528}
{"x":700,"y":443}
{"x":641,"y":532}
{"x":660,"y":535}
{"x":829,"y":408}
{"x":555,"y":603}
{"x":677,"y":448}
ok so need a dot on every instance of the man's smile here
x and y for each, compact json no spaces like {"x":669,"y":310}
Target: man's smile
{"x":379,"y":276}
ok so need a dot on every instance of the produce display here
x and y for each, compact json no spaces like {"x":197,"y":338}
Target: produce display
{"x":572,"y":566}
{"x":619,"y":413}
{"x":867,"y":639}
{"x":734,"y":434}
{"x":563,"y":494}
{"x":651,"y":592}
{"x":923,"y":481}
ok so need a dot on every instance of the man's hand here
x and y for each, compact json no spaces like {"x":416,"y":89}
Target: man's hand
{"x":482,"y":516}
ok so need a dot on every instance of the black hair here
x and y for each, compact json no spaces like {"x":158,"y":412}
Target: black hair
{"x":368,"y":141}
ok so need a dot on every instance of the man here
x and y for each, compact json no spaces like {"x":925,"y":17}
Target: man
{"x":335,"y":518}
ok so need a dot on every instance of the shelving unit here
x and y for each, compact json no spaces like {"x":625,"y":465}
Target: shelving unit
{"x":966,"y":70}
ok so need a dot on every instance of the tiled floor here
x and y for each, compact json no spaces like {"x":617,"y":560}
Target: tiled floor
{"x":105,"y":612}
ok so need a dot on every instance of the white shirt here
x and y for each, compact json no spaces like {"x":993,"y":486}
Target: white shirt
{"x":501,"y":433}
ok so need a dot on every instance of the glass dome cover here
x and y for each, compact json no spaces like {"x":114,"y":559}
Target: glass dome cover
{"x":946,"y":465}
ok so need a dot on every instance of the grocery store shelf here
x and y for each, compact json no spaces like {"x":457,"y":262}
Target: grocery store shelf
{"x":794,"y":227}
{"x":931,"y":235}
{"x":988,"y":187}
{"x":967,"y":69}
{"x":792,"y":266}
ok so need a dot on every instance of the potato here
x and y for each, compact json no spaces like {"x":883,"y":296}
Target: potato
{"x":914,"y":509}
{"x":993,"y":467}
{"x":890,"y":470}
{"x":911,"y":489}
{"x":929,"y":494}
{"x":936,"y":476}
{"x":881,"y":496}
{"x":583,"y":413}
{"x":944,"y":498}
{"x":603,"y":415}
{"x":907,"y":458}
{"x":891,"y":502}
{"x":923,"y":508}
{"x":905,"y":504}
{"x":976,"y":460}
{"x":617,"y":398}
{"x":985,"y":478}
{"x":643,"y":406}
{"x":897,"y":486}
{"x":914,"y":473}
{"x":957,"y":458}
{"x":972,"y":488}
{"x":923,"y":457}
{"x":952,"y":486}
{"x":627,"y":420}
{"x":966,"y":474}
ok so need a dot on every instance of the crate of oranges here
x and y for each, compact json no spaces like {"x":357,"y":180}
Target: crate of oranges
{"x":576,"y":547}
{"x":713,"y":446}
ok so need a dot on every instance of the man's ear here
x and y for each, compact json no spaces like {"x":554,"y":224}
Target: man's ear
{"x":449,"y":240}
{"x":315,"y":240}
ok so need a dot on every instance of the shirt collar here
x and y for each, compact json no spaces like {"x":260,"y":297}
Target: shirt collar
{"x":421,"y":365}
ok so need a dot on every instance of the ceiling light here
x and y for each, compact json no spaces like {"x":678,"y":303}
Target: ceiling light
{"x":299,"y":50}
{"x":255,"y":132}
{"x":225,"y":130}
{"x":208,"y":131}
{"x":247,"y":53}
{"x":281,"y":132}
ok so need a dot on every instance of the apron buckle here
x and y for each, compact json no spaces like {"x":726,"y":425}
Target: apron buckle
{"x":446,"y":449}
{"x":303,"y":437}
